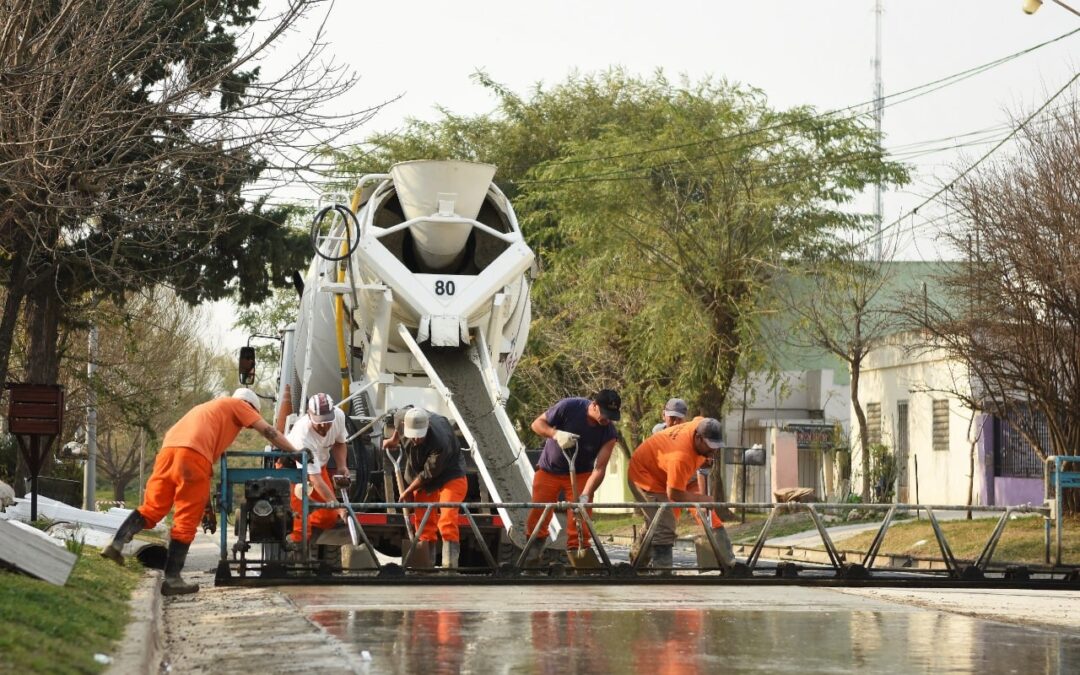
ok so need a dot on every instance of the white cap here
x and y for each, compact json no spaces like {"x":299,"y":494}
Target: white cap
{"x":250,"y":396}
{"x":320,"y":408}
{"x":416,"y":423}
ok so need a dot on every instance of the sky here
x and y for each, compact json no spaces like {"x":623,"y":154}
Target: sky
{"x":798,"y":52}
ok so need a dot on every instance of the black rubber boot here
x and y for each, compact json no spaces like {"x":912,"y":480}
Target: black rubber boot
{"x":662,"y":558}
{"x":131,"y":526}
{"x":173,"y":583}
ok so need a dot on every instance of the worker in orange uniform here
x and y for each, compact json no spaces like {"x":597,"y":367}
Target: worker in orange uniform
{"x":661,"y":470}
{"x":181,"y":477}
{"x":675,"y":411}
{"x":578,"y":425}
{"x":435,"y":469}
{"x":322,"y":432}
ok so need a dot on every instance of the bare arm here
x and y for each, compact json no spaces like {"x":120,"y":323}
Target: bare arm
{"x":599,"y":469}
{"x":677,"y":495}
{"x":322,"y":488}
{"x":276,"y":438}
{"x":341,"y":460}
{"x":542,"y":428}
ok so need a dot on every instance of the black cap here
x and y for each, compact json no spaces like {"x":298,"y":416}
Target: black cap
{"x":609,"y":403}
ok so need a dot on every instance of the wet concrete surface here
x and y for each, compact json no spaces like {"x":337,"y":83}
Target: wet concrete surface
{"x":672,"y":629}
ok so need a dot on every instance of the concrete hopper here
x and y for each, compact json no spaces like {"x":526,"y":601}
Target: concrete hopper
{"x":443,"y":193}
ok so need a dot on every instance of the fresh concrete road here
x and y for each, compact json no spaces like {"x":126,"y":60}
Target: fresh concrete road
{"x":681,"y":629}
{"x":616,"y":629}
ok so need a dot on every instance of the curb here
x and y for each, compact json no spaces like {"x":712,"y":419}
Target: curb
{"x":139,"y":650}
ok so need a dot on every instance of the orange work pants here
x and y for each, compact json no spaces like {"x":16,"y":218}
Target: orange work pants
{"x":547,"y":487}
{"x":180,"y":482}
{"x":454,"y":490}
{"x":324,"y":519}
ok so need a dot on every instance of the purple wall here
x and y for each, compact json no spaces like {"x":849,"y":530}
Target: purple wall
{"x":999,"y":491}
{"x":1014,"y":491}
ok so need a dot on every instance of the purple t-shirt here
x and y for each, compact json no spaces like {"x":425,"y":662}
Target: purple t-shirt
{"x":572,"y":414}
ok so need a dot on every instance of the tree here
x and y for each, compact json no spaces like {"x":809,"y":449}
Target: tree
{"x":1011,"y":309}
{"x":151,"y":368}
{"x":660,"y":212}
{"x":700,"y":201}
{"x":132,"y":131}
{"x":840,"y":307}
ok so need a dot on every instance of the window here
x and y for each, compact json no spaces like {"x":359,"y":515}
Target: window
{"x":873,"y":422}
{"x":1014,"y":456}
{"x":901,"y":429}
{"x":941,"y":424}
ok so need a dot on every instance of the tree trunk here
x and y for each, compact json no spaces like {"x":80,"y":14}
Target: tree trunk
{"x":864,"y":433}
{"x":16,"y":291}
{"x":43,"y":322}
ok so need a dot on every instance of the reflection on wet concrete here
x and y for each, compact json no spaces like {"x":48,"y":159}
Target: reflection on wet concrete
{"x":693,"y":641}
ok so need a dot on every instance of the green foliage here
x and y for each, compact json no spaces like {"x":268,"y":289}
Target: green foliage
{"x":661,"y":213}
{"x":75,"y":544}
{"x":883,"y":473}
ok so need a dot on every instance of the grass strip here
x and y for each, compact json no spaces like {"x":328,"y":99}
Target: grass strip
{"x":58,"y":629}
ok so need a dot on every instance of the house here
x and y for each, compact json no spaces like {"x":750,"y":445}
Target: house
{"x":946,"y":453}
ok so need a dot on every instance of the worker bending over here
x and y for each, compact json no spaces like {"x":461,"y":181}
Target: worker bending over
{"x":435,"y":469}
{"x":661,"y":470}
{"x":181,"y":477}
{"x":575,"y":425}
{"x":322,"y":431}
{"x":674,"y":413}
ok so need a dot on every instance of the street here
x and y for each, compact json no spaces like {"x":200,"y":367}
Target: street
{"x":617,"y":629}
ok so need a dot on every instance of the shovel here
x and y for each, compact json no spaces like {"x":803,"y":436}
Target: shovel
{"x":583,"y":558}
{"x":355,"y":533}
{"x":417,"y":555}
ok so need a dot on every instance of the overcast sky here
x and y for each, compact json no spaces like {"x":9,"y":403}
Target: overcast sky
{"x":816,"y":52}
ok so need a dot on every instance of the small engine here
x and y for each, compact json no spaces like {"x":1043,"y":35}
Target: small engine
{"x":265,"y":514}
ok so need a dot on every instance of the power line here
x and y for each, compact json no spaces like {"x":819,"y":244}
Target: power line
{"x":930,"y":87}
{"x":980,"y":160}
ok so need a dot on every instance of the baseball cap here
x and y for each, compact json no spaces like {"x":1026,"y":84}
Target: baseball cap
{"x":320,"y":408}
{"x":416,"y":423}
{"x":609,"y":403}
{"x":713,"y":433}
{"x":245,"y":394}
{"x":676,"y":407}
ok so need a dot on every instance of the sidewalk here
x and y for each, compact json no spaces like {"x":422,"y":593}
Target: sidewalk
{"x":230,"y":630}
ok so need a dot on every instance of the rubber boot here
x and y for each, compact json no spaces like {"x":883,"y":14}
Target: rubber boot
{"x":727,"y":554}
{"x":662,"y":558}
{"x":728,"y":562}
{"x":131,"y":526}
{"x":173,"y":584}
{"x":451,"y":551}
{"x":533,"y":554}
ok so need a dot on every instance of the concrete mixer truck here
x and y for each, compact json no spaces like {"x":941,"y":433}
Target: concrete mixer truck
{"x":418,"y":295}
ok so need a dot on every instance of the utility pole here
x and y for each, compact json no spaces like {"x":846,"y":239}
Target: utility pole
{"x":90,"y":470}
{"x":879,"y":105}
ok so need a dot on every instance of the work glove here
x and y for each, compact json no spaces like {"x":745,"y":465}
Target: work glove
{"x":209,"y":519}
{"x":583,"y":498}
{"x":342,"y":481}
{"x":565,"y":439}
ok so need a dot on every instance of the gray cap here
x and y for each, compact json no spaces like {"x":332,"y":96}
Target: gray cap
{"x":712,"y":432}
{"x":675,"y":407}
{"x":416,"y":423}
